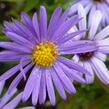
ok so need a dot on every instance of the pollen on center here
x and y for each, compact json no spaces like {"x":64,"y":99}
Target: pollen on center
{"x":44,"y":54}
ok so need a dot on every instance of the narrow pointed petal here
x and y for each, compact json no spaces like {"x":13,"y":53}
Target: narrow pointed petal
{"x":100,"y":56}
{"x":68,"y":37}
{"x":95,"y":21}
{"x":54,"y":22}
{"x":42,"y":94}
{"x":13,"y":103}
{"x":65,"y":27}
{"x":15,"y":47}
{"x":78,"y":47}
{"x":35,"y":93}
{"x":58,"y":84}
{"x":65,"y":80}
{"x":103,"y":33}
{"x":6,"y":98}
{"x":29,"y":85}
{"x":2,"y":86}
{"x":50,"y":88}
{"x":82,"y":14}
{"x":43,"y":22}
{"x":100,"y":70}
{"x":72,"y":74}
{"x":89,"y":78}
{"x":26,"y":19}
{"x":11,"y":72}
{"x":20,"y":40}
{"x":36,"y":25}
{"x":17,"y":80}
{"x":73,"y":65}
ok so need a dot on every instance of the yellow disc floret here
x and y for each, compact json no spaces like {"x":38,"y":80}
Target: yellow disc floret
{"x":44,"y":54}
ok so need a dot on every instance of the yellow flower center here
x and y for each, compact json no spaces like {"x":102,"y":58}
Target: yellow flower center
{"x":44,"y":54}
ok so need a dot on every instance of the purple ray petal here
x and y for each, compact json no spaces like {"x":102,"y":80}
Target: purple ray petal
{"x":72,"y":65}
{"x":63,"y":29}
{"x":43,"y":22}
{"x":12,"y":71}
{"x":6,"y":98}
{"x":42,"y":93}
{"x":36,"y":25}
{"x":27,"y":33}
{"x":2,"y":86}
{"x":15,"y":47}
{"x":100,"y":70}
{"x":25,"y":58}
{"x":29,"y":85}
{"x":63,"y":17}
{"x":26,"y":19}
{"x":50,"y":88}
{"x":69,"y":37}
{"x":72,"y":74}
{"x":13,"y":103}
{"x":35,"y":93}
{"x":16,"y":81}
{"x":65,"y":80}
{"x":54,"y":22}
{"x":89,"y":79}
{"x":78,"y":47}
{"x":58,"y":84}
{"x":20,"y":40}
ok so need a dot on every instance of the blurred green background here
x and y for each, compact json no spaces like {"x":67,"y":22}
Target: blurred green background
{"x":93,"y":96}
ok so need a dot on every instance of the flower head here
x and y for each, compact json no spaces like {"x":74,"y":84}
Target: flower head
{"x":91,"y":6}
{"x":93,"y":61}
{"x":40,"y":47}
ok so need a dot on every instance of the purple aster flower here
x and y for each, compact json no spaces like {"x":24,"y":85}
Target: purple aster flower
{"x":8,"y":102}
{"x":39,"y":49}
{"x":91,"y":6}
{"x":93,"y":61}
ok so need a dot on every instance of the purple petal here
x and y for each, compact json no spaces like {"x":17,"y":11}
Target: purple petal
{"x":14,"y":47}
{"x":87,"y":66}
{"x":100,"y":70}
{"x":26,"y":19}
{"x":50,"y":88}
{"x":35,"y":93}
{"x":58,"y":84}
{"x":54,"y":22}
{"x":103,"y":33}
{"x":78,"y":47}
{"x":25,"y":32}
{"x":16,"y":81}
{"x":29,"y":85}
{"x":43,"y":22}
{"x":63,"y":17}
{"x":65,"y":80}
{"x":36,"y":25}
{"x":6,"y":98}
{"x":95,"y":21}
{"x":72,"y":65}
{"x":42,"y":93}
{"x":10,"y":56}
{"x":2,"y":86}
{"x":72,"y":74}
{"x":20,"y":40}
{"x":13,"y":103}
{"x":69,"y":37}
{"x":11,"y":71}
{"x":63,"y":29}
